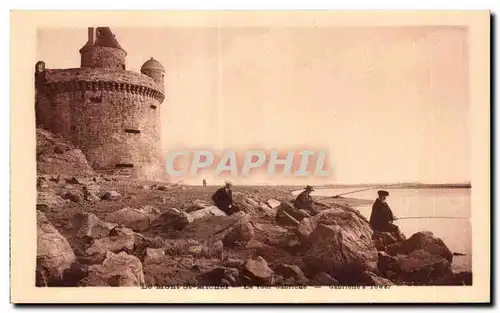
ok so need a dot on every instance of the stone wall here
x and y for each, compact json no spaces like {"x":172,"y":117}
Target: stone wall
{"x":103,"y":57}
{"x":114,"y":118}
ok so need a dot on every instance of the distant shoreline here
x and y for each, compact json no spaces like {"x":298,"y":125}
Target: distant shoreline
{"x":361,"y":186}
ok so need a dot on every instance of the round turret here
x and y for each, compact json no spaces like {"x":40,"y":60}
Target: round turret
{"x":153,"y":69}
{"x":104,"y":51}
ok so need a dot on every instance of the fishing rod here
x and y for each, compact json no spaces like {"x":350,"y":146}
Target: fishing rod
{"x":365,"y":189}
{"x":418,"y":217}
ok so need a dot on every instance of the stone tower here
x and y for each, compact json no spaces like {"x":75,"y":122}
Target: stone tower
{"x":111,"y":114}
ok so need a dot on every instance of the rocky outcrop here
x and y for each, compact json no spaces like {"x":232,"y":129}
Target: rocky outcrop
{"x":55,"y":156}
{"x":54,"y":254}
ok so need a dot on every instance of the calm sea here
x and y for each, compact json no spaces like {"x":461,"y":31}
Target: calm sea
{"x":453,"y":202}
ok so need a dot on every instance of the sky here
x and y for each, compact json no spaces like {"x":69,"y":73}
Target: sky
{"x":387,"y":105}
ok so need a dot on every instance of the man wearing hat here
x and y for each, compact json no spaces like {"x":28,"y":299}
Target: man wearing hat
{"x":223,"y":198}
{"x":305,"y":201}
{"x":382,"y":217}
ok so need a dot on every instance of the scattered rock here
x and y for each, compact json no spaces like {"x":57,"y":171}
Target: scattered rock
{"x":241,"y":233}
{"x":305,"y":228}
{"x":193,"y":247}
{"x":273,"y":203}
{"x":206,"y":212}
{"x":119,"y":269}
{"x":258,"y":271}
{"x":293,"y":271}
{"x":90,"y":226}
{"x":285,"y":219}
{"x":290,"y":210}
{"x":323,"y":279}
{"x":54,"y":254}
{"x":172,"y":219}
{"x":79,"y":181}
{"x":49,"y":200}
{"x":74,"y":195}
{"x":387,"y":265}
{"x":136,"y":219}
{"x":198,"y":205}
{"x":154,"y":256}
{"x":111,"y":195}
{"x":233,"y":262}
{"x":218,"y":227}
{"x":221,"y":276}
{"x":368,"y":278}
{"x":120,"y":239}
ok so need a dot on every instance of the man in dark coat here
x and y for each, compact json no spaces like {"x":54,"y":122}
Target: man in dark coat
{"x":382,"y":217}
{"x":223,"y":198}
{"x":304,"y":201}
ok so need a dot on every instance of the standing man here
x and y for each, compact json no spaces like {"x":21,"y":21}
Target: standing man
{"x":382,"y":217}
{"x":304,"y":201}
{"x":204,"y":182}
{"x":223,"y":198}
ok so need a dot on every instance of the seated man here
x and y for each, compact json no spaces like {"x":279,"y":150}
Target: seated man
{"x":382,"y":217}
{"x":304,"y":201}
{"x":223,"y":199}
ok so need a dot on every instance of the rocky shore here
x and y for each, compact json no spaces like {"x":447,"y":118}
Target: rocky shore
{"x":98,"y":229}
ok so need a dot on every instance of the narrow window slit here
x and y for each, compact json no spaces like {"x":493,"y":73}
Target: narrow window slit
{"x":132,"y":131}
{"x":124,"y":165}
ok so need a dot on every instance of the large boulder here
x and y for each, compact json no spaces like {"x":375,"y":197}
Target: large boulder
{"x":90,"y":226}
{"x":215,"y":228}
{"x":428,"y":242}
{"x":340,"y":244}
{"x":136,"y":219}
{"x":119,"y":269}
{"x":54,"y":254}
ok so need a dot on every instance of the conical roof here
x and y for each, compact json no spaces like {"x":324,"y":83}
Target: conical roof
{"x":106,"y":38}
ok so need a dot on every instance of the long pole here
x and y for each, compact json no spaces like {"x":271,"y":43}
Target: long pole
{"x":414,"y":217}
{"x":365,"y":189}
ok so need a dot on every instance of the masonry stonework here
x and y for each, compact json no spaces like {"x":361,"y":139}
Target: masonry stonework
{"x":111,"y":114}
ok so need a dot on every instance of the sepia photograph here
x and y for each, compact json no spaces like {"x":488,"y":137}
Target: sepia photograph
{"x":257,"y":157}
